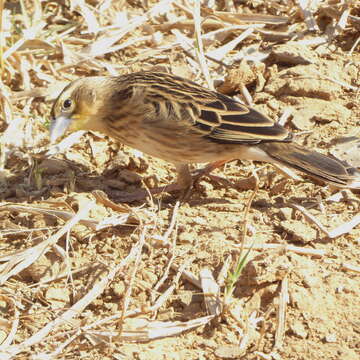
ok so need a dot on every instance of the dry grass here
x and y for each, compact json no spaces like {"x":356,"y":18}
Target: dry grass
{"x":84,"y":276}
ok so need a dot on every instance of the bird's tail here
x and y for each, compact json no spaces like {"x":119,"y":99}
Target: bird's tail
{"x":313,"y":163}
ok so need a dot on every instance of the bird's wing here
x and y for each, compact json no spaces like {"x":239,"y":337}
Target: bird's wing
{"x":214,"y":115}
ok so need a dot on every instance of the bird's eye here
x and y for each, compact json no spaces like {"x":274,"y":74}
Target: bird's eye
{"x":67,"y":104}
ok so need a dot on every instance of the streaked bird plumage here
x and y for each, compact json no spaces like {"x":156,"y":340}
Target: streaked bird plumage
{"x":182,"y":122}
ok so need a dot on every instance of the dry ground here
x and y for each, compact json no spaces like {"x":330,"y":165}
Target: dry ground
{"x":89,"y":269}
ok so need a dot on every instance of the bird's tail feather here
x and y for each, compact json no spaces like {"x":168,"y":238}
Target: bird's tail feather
{"x":313,"y":163}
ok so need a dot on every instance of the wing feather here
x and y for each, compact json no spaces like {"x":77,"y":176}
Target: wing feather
{"x":216,"y":116}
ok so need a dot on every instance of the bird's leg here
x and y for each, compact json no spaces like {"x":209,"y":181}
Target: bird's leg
{"x":208,"y":169}
{"x":184,"y":183}
{"x":184,"y":180}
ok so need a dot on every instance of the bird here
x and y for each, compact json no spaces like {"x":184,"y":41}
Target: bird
{"x":182,"y":122}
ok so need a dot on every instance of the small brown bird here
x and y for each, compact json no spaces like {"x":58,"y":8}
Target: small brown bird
{"x":182,"y":122}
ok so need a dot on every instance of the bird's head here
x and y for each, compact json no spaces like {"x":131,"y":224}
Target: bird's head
{"x":78,"y":107}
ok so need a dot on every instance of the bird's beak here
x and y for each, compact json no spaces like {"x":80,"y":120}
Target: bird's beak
{"x":58,"y":127}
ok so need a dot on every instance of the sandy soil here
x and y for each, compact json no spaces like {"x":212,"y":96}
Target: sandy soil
{"x":296,"y":269}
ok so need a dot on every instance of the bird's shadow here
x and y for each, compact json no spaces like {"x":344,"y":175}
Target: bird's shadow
{"x":54,"y":176}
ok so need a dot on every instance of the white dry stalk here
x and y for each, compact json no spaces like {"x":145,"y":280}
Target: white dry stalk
{"x":211,"y":291}
{"x":25,"y":66}
{"x":66,"y":215}
{"x":186,"y":43}
{"x":250,"y":53}
{"x":160,"y":301}
{"x":263,"y":355}
{"x":19,"y":261}
{"x":296,"y":249}
{"x":314,"y":41}
{"x":307,"y":10}
{"x":261,"y":332}
{"x":127,"y":295}
{"x":2,"y":32}
{"x":252,"y":322}
{"x":62,"y":35}
{"x":148,"y":330}
{"x":163,"y":297}
{"x":246,"y":94}
{"x":345,"y":227}
{"x":106,"y":42}
{"x":74,"y":311}
{"x":86,"y":61}
{"x":28,"y":34}
{"x":99,"y":51}
{"x":180,"y":23}
{"x":112,"y":221}
{"x":184,"y":8}
{"x":6,"y":232}
{"x":281,"y":314}
{"x":66,"y":143}
{"x":164,"y":240}
{"x":104,"y":45}
{"x":50,"y":93}
{"x":131,"y":313}
{"x":223,"y":273}
{"x":29,"y":258}
{"x":340,"y":26}
{"x":172,"y":222}
{"x":109,"y":68}
{"x":104,"y":5}
{"x":350,"y":267}
{"x":64,"y":273}
{"x":200,"y":47}
{"x":89,"y":17}
{"x":247,"y":211}
{"x":189,"y":276}
{"x":339,"y":82}
{"x":181,"y":269}
{"x":339,"y":196}
{"x":159,"y":329}
{"x":16,"y":126}
{"x":222,"y":34}
{"x":356,"y":43}
{"x":193,"y":65}
{"x":285,"y":116}
{"x":5,"y":97}
{"x":229,"y":6}
{"x":238,"y":18}
{"x":209,"y":3}
{"x":220,"y":52}
{"x":343,"y":19}
{"x":340,"y":230}
{"x":310,"y":217}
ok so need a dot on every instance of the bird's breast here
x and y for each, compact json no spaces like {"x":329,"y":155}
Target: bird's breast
{"x":173,"y":144}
